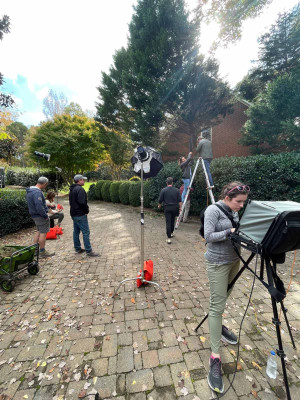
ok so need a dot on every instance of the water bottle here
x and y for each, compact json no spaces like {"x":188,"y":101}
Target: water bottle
{"x":272,"y":366}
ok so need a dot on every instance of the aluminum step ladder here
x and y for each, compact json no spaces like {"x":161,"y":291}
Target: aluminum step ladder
{"x":209,"y":188}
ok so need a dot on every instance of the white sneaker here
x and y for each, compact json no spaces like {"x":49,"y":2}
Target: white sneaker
{"x":168,"y":241}
{"x":172,"y":234}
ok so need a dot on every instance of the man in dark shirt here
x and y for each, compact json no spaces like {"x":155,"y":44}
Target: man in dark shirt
{"x":170,"y":197}
{"x":79,"y":210}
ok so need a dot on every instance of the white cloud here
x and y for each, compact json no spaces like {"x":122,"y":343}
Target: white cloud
{"x":31,"y":117}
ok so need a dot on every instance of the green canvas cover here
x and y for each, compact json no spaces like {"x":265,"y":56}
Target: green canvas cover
{"x":259,"y":215}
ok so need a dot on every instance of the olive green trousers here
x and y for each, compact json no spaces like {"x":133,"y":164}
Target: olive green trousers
{"x":219,"y":277}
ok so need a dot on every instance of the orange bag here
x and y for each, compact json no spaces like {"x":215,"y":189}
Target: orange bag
{"x":52,"y":234}
{"x":148,"y":273}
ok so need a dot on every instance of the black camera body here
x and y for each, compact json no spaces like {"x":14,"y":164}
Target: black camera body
{"x":42,"y":155}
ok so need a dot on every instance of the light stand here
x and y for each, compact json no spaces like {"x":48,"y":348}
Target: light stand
{"x":57,"y":170}
{"x":141,"y":276}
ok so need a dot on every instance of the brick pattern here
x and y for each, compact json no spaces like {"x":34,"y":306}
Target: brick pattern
{"x":63,"y":335}
{"x":225,"y":137}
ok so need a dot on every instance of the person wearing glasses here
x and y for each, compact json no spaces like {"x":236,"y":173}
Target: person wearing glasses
{"x":222,"y":265}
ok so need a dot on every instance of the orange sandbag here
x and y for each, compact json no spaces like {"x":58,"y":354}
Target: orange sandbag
{"x":52,"y":234}
{"x":59,"y":230}
{"x":148,"y":273}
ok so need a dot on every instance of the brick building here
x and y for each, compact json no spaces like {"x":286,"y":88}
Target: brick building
{"x":224,"y":136}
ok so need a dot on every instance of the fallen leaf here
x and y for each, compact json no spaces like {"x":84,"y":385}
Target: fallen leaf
{"x":175,"y":305}
{"x":254,"y":393}
{"x":250,"y":379}
{"x":132,"y":300}
{"x":256,"y":366}
{"x":184,"y":391}
{"x":82,"y":394}
{"x":248,"y":347}
{"x":203,"y":339}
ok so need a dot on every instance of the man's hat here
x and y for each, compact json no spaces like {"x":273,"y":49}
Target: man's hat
{"x":78,"y":177}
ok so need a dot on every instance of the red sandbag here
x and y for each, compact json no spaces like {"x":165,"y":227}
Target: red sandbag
{"x":148,"y":273}
{"x":52,"y":234}
{"x":59,"y":230}
{"x":59,"y":207}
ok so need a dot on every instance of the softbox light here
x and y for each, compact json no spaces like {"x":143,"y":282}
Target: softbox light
{"x":274,"y":225}
{"x":151,"y":160}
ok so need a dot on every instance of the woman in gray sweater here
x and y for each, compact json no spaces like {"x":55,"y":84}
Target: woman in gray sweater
{"x":222,"y":264}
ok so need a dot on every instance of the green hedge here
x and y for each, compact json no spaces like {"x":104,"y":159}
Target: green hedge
{"x":271,"y":177}
{"x":26,"y":177}
{"x":114,"y":191}
{"x":14,"y":211}
{"x":124,"y":192}
{"x":92,"y":193}
{"x":135,"y":194}
{"x":105,"y":191}
{"x":98,"y":188}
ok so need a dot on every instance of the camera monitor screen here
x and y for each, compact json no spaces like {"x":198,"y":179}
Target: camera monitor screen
{"x":259,"y":216}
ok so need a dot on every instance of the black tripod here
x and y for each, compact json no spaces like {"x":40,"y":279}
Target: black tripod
{"x":276,"y":289}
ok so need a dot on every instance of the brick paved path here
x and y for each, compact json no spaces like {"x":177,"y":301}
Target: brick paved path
{"x":62,"y":335}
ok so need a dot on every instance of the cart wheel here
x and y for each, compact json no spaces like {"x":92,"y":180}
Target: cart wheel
{"x":33,"y":268}
{"x":8,"y":286}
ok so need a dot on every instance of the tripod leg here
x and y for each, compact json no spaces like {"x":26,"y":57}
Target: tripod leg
{"x":284,"y":310}
{"x":204,"y":319}
{"x":276,"y":322}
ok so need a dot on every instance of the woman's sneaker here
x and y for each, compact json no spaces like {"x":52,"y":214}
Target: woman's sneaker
{"x":228,"y":336}
{"x":214,"y":378}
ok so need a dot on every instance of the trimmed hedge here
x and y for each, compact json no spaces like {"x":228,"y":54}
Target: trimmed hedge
{"x":270,"y":177}
{"x":92,"y":193}
{"x":98,"y":188}
{"x":26,"y":177}
{"x":114,"y":191}
{"x":135,"y":194}
{"x":105,"y":191}
{"x":14,"y":211}
{"x":124,"y":192}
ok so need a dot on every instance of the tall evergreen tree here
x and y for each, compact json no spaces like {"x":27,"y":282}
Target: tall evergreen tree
{"x":160,"y":76}
{"x":279,"y":51}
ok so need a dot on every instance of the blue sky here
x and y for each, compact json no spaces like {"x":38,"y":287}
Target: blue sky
{"x":64,"y":46}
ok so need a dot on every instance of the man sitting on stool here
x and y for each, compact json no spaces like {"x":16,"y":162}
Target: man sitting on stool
{"x":170,"y":197}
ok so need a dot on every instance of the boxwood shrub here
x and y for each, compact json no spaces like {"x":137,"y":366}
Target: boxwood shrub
{"x":14,"y":211}
{"x":135,"y":194}
{"x":92,"y":193}
{"x":105,"y":191}
{"x":98,"y":188}
{"x":114,"y":191}
{"x":124,"y":192}
{"x":26,"y":177}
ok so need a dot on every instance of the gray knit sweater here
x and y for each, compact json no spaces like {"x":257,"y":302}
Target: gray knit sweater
{"x":216,"y":231}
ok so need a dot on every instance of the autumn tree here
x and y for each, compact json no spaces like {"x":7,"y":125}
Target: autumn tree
{"x":73,"y":142}
{"x":74,"y":109}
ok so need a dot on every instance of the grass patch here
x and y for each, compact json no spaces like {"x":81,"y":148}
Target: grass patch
{"x":86,"y":186}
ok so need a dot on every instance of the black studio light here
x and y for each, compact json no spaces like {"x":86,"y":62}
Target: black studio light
{"x":149,"y":158}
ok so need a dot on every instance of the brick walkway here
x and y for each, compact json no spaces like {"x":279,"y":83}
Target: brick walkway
{"x":62,"y":335}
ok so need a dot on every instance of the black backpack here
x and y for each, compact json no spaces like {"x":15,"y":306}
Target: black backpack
{"x":229,"y":216}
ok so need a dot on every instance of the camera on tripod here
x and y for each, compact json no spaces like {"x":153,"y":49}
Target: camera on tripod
{"x":42,"y":155}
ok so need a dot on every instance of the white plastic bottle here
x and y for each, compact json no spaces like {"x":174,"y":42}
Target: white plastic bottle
{"x":272,"y":366}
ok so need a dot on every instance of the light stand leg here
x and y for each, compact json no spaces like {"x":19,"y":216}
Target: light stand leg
{"x":284,"y":310}
{"x":141,"y":277}
{"x":276,"y":322}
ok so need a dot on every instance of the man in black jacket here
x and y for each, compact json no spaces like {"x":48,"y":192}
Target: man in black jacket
{"x":79,"y":210}
{"x":170,"y":197}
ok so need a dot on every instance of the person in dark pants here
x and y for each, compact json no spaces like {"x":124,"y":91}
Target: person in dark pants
{"x":171,"y":199}
{"x":204,"y":150}
{"x":79,"y":210}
